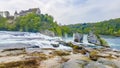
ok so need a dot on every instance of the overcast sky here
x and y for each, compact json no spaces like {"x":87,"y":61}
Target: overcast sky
{"x":68,"y":11}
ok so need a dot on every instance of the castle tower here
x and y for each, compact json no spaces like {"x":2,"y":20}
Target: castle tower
{"x":38,"y":11}
{"x":16,"y":15}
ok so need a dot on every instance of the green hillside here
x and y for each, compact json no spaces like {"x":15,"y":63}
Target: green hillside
{"x":33,"y":23}
{"x":108,"y":27}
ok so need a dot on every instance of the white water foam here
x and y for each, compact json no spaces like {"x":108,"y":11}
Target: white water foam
{"x":27,"y":39}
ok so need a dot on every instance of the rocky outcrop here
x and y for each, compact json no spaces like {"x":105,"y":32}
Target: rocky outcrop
{"x":55,"y":45}
{"x":96,"y":39}
{"x":78,"y":37}
{"x":48,"y":33}
{"x":92,"y":38}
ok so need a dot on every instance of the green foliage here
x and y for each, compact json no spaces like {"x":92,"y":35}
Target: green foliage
{"x":3,"y":23}
{"x":33,"y":23}
{"x":110,"y":27}
{"x":103,"y":43}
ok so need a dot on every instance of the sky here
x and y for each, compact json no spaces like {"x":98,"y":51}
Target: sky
{"x":68,"y":11}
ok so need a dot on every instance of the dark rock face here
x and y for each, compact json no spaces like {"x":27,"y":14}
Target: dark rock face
{"x":34,"y":46}
{"x":78,"y":37}
{"x":55,"y":45}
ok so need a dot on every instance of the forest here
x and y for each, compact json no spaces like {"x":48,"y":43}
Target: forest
{"x":36,"y":23}
{"x":33,"y":23}
{"x":108,"y":27}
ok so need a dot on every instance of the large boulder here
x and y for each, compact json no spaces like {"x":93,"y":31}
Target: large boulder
{"x":96,"y":39}
{"x":78,"y":37}
{"x":92,"y":38}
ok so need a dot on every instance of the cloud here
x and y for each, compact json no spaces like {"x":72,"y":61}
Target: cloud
{"x":68,"y":11}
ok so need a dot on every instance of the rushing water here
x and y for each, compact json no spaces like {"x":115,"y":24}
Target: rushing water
{"x":113,"y":41}
{"x":26,"y":39}
{"x":10,"y":39}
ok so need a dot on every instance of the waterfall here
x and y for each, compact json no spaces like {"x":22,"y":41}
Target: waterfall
{"x":66,"y":35}
{"x":26,"y":39}
{"x":85,"y":39}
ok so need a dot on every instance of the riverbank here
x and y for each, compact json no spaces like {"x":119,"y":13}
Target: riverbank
{"x":82,"y":57}
{"x":35,"y":50}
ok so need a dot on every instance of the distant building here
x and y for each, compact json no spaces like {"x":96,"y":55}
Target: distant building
{"x":24,"y":12}
{"x":4,"y":13}
{"x":11,"y":19}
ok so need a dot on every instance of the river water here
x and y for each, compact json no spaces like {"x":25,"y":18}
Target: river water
{"x":25,"y":39}
{"x":114,"y":42}
{"x":9,"y":39}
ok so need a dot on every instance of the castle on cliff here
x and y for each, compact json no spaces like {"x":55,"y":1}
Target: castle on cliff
{"x":6,"y":14}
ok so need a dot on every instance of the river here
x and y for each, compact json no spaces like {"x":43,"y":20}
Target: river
{"x":114,"y":42}
{"x":10,"y":39}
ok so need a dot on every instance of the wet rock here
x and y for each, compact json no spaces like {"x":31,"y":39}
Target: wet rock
{"x":78,"y":37}
{"x":97,"y":40}
{"x":55,"y":45}
{"x":62,"y":43}
{"x":34,"y":47}
{"x":92,"y":38}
